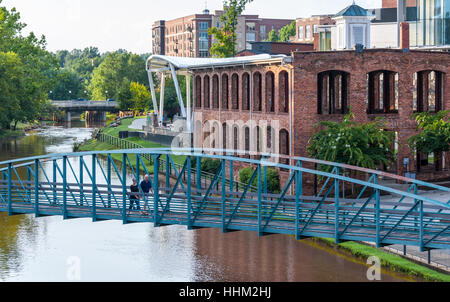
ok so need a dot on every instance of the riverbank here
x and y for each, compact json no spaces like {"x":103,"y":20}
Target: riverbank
{"x":389,"y":262}
{"x":20,"y":130}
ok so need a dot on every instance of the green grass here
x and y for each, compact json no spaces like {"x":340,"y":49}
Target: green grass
{"x":389,"y":261}
{"x":95,"y":145}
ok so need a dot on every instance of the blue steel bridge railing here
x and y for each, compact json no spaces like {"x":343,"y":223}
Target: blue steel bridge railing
{"x":99,"y":190}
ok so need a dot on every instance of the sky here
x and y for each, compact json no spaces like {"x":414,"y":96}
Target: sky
{"x":114,"y":24}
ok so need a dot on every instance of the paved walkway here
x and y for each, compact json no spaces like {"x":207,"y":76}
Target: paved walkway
{"x":137,"y":124}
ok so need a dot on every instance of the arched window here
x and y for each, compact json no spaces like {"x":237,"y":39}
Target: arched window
{"x":198,"y":92}
{"x":235,"y":91}
{"x":332,"y":92}
{"x":428,"y":90}
{"x":225,"y":91}
{"x":270,"y":92}
{"x":284,"y":145}
{"x":235,"y":138}
{"x":284,"y":91}
{"x":206,"y":93}
{"x":382,"y":96}
{"x":215,"y":92}
{"x":247,"y":141}
{"x":245,"y":91}
{"x":224,"y":136}
{"x":257,"y":92}
{"x":270,"y":137}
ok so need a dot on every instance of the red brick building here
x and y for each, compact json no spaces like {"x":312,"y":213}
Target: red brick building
{"x":273,"y":106}
{"x":393,"y":3}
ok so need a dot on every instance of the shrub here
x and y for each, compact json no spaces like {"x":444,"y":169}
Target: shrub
{"x":273,"y":179}
{"x":210,"y":165}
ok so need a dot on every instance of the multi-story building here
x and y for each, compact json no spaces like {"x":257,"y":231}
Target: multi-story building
{"x":158,"y":37}
{"x":188,"y":36}
{"x":307,"y":27}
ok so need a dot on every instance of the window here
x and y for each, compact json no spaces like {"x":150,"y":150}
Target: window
{"x":428,"y":90}
{"x":382,"y":92}
{"x":262,"y":29}
{"x":315,"y":28}
{"x":300,"y":32}
{"x":308,"y":32}
{"x":251,"y":26}
{"x":250,"y":37}
{"x":203,"y":26}
{"x":332,"y":92}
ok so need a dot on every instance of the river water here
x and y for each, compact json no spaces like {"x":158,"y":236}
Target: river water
{"x":48,"y":248}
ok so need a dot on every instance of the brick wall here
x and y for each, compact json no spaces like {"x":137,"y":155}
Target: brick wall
{"x":393,"y":3}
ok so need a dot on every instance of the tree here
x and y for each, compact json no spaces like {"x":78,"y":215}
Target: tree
{"x":140,"y":97}
{"x":273,"y":36}
{"x":226,"y":34}
{"x":12,"y":87}
{"x":108,"y":77}
{"x":287,"y":32}
{"x":435,"y":133}
{"x":284,"y":35}
{"x":67,"y":86}
{"x":39,"y":67}
{"x":365,"y":145}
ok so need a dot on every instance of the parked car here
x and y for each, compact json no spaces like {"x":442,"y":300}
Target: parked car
{"x":111,"y":100}
{"x":81,"y":100}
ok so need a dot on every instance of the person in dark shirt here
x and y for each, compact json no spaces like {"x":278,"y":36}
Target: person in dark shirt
{"x":146,"y":187}
{"x":134,"y":198}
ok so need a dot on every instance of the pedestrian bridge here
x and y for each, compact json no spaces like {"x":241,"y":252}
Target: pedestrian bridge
{"x":350,"y":203}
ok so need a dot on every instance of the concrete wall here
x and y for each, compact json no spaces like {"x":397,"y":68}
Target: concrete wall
{"x":383,"y":35}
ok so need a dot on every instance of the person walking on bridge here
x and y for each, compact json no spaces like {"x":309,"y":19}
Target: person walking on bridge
{"x":146,"y":187}
{"x":134,"y":198}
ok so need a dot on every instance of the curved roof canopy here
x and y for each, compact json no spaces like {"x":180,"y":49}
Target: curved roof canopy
{"x":159,"y":63}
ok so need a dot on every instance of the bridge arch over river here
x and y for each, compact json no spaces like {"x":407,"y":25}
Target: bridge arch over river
{"x":99,"y":190}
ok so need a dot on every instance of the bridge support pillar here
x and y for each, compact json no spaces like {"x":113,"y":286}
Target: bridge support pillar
{"x":68,"y":116}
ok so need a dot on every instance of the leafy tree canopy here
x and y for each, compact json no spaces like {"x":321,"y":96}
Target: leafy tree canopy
{"x":365,"y":145}
{"x":435,"y":132}
{"x":226,"y":34}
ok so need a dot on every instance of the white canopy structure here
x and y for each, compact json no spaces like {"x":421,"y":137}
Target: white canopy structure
{"x":173,"y":66}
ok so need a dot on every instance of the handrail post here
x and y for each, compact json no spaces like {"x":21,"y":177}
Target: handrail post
{"x":81,"y":181}
{"x":64,"y":187}
{"x":421,"y":227}
{"x":377,"y":212}
{"x":224,"y":198}
{"x":29,"y":183}
{"x":156,"y":190}
{"x":108,"y":178}
{"x":9,"y":189}
{"x":298,"y":193}
{"x":124,"y":188}
{"x":199,"y":174}
{"x":36,"y":188}
{"x":168,"y":170}
{"x":336,"y":208}
{"x":55,"y":198}
{"x":94,"y":188}
{"x":189,"y":197}
{"x":259,"y":201}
